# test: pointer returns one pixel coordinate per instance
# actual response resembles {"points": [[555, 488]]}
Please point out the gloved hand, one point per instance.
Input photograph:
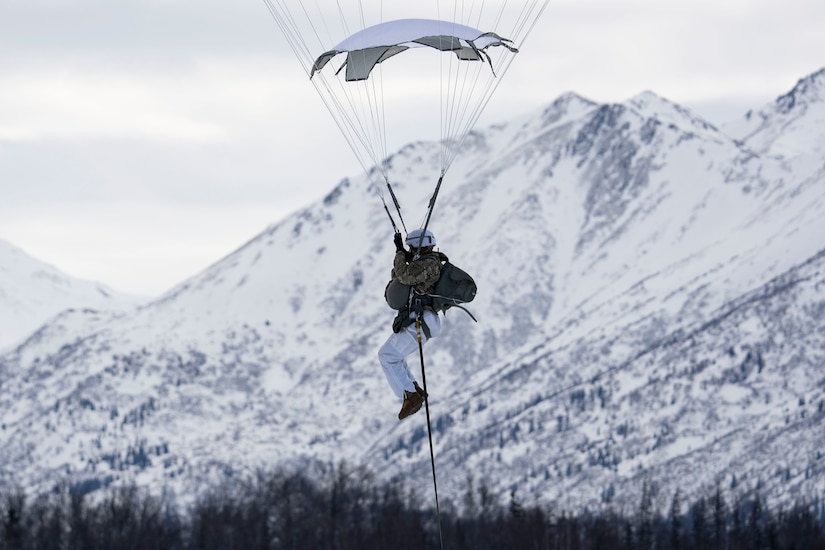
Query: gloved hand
{"points": [[399, 242]]}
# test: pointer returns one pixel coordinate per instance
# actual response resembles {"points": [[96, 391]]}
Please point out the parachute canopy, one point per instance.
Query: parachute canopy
{"points": [[454, 54], [375, 44]]}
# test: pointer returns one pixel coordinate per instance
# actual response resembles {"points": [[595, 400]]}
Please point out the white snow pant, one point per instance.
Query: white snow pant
{"points": [[393, 354]]}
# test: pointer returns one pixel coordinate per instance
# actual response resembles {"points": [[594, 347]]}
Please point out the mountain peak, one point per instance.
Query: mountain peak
{"points": [[808, 89], [790, 125], [573, 99], [567, 105], [652, 105], [32, 292]]}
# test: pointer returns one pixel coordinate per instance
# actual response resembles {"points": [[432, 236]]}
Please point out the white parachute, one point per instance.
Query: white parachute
{"points": [[465, 49], [373, 45]]}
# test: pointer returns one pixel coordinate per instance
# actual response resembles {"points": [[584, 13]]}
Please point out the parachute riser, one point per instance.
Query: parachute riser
{"points": [[397, 207], [389, 215], [430, 207]]}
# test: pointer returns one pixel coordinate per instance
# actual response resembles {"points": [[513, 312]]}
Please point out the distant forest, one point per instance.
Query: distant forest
{"points": [[347, 509]]}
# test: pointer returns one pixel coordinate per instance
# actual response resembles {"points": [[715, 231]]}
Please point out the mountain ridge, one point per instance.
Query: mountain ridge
{"points": [[772, 129], [600, 237]]}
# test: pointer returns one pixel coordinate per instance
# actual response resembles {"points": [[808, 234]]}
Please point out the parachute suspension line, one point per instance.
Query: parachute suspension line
{"points": [[469, 91], [501, 14], [289, 26], [450, 94], [372, 130], [429, 427], [344, 122], [361, 14], [358, 110], [441, 99], [286, 21], [382, 121], [460, 119], [460, 90], [309, 19], [353, 121], [465, 119], [530, 14], [469, 85], [477, 22], [463, 91], [375, 102], [524, 17], [354, 100], [366, 101], [343, 20], [446, 106], [380, 117], [324, 21]]}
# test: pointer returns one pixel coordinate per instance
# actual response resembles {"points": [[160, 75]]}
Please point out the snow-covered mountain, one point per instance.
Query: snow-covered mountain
{"points": [[32, 292], [650, 301], [789, 127]]}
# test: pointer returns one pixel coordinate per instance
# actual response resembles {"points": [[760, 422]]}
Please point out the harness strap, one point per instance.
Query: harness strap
{"points": [[404, 319]]}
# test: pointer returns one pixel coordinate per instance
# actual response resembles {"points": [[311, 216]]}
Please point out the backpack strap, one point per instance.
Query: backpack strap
{"points": [[404, 319]]}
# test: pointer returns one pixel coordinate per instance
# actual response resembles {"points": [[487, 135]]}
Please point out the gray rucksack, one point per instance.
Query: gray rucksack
{"points": [[453, 289]]}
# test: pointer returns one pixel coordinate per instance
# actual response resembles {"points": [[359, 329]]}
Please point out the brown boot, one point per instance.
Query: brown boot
{"points": [[420, 390], [412, 404]]}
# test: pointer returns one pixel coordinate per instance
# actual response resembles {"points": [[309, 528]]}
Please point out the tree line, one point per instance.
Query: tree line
{"points": [[344, 508]]}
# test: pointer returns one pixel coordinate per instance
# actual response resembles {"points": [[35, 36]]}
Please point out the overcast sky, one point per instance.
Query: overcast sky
{"points": [[142, 140]]}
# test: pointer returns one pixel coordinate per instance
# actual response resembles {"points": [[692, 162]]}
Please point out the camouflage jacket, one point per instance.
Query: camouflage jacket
{"points": [[422, 273]]}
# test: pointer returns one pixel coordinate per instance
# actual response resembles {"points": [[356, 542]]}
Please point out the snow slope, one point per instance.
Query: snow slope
{"points": [[31, 292]]}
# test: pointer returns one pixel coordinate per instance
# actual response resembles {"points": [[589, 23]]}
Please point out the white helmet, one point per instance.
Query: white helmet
{"points": [[414, 239]]}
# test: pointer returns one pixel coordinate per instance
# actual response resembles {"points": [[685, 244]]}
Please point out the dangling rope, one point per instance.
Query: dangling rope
{"points": [[429, 425]]}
